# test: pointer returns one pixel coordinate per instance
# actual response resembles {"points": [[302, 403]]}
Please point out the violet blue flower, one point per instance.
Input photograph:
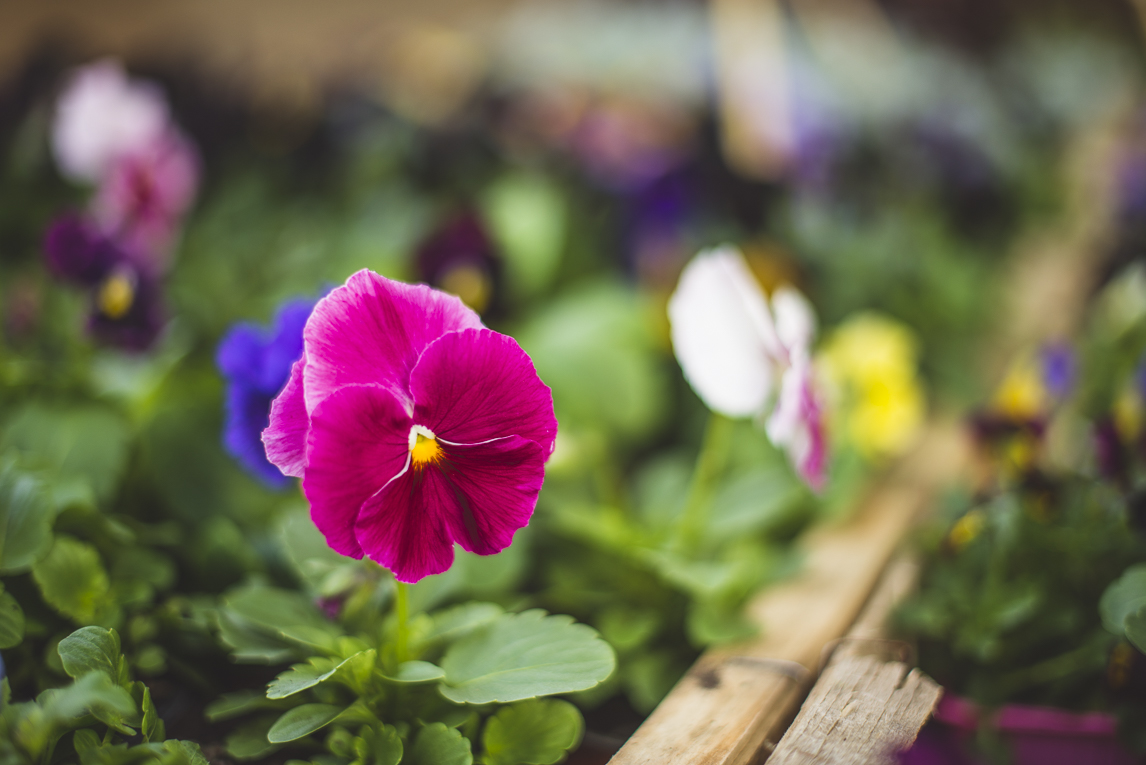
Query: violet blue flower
{"points": [[101, 114], [256, 362], [741, 353], [412, 427], [1059, 369]]}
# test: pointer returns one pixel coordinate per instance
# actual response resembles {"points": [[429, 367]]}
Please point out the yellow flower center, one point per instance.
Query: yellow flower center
{"points": [[424, 447], [116, 295]]}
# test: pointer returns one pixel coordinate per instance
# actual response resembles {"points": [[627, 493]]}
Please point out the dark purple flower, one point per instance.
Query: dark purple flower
{"points": [[126, 309], [77, 252], [1058, 369], [256, 361], [1109, 452], [460, 258], [657, 229]]}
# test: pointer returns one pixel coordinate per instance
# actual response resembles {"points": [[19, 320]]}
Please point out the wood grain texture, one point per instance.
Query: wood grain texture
{"points": [[860, 711], [863, 707], [737, 698]]}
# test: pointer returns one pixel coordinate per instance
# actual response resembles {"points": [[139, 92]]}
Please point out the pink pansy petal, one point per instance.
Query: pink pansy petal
{"points": [[285, 436], [403, 527], [358, 441], [477, 385], [496, 486], [372, 331], [478, 495], [796, 424]]}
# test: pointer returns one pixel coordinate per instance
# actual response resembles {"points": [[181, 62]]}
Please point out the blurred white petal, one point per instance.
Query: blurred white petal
{"points": [[102, 114], [722, 333], [795, 320]]}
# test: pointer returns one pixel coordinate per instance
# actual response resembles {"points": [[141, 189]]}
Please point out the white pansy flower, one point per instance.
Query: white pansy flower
{"points": [[102, 114]]}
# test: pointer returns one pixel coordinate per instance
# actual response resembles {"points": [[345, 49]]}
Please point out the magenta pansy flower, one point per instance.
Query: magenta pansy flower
{"points": [[412, 426]]}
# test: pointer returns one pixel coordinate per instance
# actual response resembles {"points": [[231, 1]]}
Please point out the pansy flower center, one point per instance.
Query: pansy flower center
{"points": [[117, 294], [424, 447]]}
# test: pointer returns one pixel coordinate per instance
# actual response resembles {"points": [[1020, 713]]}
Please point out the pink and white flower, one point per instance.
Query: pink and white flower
{"points": [[146, 190], [748, 357], [412, 427], [101, 115]]}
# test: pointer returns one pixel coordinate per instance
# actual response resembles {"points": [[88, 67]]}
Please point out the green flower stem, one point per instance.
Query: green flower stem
{"points": [[1086, 659], [710, 463], [402, 606]]}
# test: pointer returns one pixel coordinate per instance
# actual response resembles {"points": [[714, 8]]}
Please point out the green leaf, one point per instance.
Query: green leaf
{"points": [[436, 744], [94, 694], [526, 214], [80, 443], [627, 628], [453, 623], [597, 349], [303, 676], [91, 649], [1136, 629], [26, 516], [302, 721], [713, 622], [277, 611], [250, 644], [11, 620], [72, 579], [1124, 597], [152, 728], [236, 704], [249, 741], [519, 656], [533, 732], [417, 672], [379, 746]]}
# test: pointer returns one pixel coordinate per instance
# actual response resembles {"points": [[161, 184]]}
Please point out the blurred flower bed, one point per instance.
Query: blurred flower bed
{"points": [[163, 578]]}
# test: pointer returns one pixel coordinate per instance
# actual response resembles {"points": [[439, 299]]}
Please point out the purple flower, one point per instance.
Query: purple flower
{"points": [[460, 258], [1058, 369], [256, 361], [412, 427], [77, 252], [126, 308]]}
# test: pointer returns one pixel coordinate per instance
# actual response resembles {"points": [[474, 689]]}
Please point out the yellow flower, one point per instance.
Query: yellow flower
{"points": [[1128, 414], [878, 402], [966, 529], [1022, 395]]}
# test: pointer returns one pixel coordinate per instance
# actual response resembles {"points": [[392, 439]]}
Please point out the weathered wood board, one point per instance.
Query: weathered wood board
{"points": [[738, 697], [864, 707]]}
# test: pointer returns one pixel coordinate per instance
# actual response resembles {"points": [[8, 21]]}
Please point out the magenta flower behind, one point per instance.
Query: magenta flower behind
{"points": [[412, 427]]}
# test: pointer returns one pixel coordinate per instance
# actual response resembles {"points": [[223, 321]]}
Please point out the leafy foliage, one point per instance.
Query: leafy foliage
{"points": [[101, 706]]}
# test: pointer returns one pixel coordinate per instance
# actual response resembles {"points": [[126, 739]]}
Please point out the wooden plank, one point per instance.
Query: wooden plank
{"points": [[863, 707], [860, 712], [736, 698]]}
